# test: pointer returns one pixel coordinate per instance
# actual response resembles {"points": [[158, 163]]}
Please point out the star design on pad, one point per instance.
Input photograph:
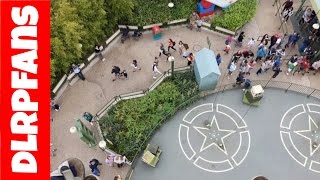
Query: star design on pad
{"points": [[312, 134], [213, 135]]}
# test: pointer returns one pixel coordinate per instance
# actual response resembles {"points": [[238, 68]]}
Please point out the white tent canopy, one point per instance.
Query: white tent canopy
{"points": [[222, 3]]}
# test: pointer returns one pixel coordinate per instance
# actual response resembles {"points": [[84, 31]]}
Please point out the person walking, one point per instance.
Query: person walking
{"points": [[262, 68], [185, 50], [290, 39], [116, 72], [287, 14], [243, 66], [155, 69], [273, 40], [171, 45], [190, 59], [251, 43], [305, 65], [88, 116], [316, 66], [280, 53], [269, 64], [180, 44], [135, 65], [97, 51], [276, 70], [231, 68], [305, 44], [240, 39], [240, 79], [264, 38], [287, 5], [192, 19], [218, 59], [54, 105], [306, 17], [110, 159], [295, 40], [124, 75], [261, 53], [93, 164], [76, 69], [162, 50], [250, 66], [227, 49], [199, 24], [228, 40], [291, 67]]}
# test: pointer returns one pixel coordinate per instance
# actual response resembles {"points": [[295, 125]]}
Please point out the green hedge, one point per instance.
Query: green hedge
{"points": [[130, 122], [237, 15], [157, 11]]}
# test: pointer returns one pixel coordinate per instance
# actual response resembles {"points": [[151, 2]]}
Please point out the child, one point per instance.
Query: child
{"points": [[227, 48], [180, 47], [251, 43], [135, 65], [171, 45], [190, 59], [124, 74], [228, 40], [218, 59], [199, 24]]}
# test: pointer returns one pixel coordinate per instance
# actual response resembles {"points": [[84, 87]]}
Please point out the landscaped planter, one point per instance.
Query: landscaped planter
{"points": [[237, 15]]}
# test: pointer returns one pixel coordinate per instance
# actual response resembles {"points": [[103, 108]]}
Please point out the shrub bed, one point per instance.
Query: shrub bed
{"points": [[237, 15], [130, 122], [157, 11]]}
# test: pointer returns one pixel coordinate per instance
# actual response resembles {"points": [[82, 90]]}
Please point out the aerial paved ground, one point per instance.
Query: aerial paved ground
{"points": [[91, 95]]}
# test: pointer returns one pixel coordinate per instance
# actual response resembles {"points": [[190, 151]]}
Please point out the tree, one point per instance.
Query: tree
{"points": [[66, 34], [77, 25]]}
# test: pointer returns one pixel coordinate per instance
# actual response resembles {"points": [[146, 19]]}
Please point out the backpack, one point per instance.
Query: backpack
{"points": [[173, 43]]}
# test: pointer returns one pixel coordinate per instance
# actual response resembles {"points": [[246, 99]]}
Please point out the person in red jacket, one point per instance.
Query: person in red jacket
{"points": [[305, 65]]}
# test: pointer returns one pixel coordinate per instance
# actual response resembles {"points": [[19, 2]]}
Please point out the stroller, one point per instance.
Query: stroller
{"points": [[137, 35]]}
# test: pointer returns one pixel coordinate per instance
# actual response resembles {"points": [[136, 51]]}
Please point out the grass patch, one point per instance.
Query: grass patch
{"points": [[237, 15], [131, 122], [157, 11]]}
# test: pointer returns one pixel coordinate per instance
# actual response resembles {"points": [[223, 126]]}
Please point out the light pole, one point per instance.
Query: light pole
{"points": [[171, 59], [84, 133], [102, 144]]}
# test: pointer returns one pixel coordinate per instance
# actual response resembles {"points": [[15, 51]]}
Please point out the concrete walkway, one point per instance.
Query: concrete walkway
{"points": [[91, 95]]}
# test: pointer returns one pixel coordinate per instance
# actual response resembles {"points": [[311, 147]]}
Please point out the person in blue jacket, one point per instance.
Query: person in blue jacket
{"points": [[261, 53]]}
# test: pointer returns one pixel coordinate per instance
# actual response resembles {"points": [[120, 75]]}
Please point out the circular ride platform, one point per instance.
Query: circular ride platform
{"points": [[219, 137]]}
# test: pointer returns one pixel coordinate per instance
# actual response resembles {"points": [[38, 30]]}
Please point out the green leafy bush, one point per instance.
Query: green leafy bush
{"points": [[130, 122], [237, 15], [157, 11]]}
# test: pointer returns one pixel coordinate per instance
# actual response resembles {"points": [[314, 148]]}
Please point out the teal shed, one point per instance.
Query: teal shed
{"points": [[206, 69]]}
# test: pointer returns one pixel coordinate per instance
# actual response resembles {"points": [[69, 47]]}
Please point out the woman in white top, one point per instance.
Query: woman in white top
{"points": [[231, 68], [316, 66], [155, 70]]}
